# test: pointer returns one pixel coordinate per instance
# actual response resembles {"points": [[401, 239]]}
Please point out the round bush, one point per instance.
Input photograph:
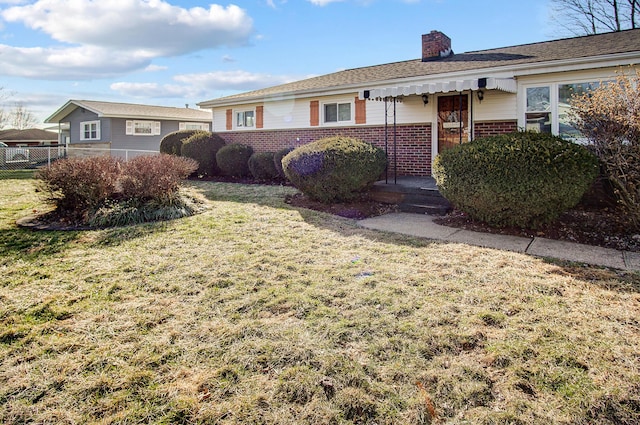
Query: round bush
{"points": [[277, 160], [262, 167], [520, 179], [233, 160], [334, 169], [203, 146], [172, 142]]}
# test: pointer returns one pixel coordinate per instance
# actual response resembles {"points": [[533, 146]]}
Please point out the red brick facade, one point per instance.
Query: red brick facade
{"points": [[413, 146], [491, 128]]}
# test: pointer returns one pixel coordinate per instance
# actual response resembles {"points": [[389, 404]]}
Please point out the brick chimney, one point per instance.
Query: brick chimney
{"points": [[435, 45]]}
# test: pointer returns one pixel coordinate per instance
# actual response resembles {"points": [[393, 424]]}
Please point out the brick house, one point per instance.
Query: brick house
{"points": [[418, 107]]}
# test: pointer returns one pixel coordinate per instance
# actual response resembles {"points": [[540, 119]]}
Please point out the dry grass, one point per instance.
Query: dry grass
{"points": [[258, 313]]}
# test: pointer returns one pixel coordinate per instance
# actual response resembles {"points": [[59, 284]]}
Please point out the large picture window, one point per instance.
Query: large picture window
{"points": [[337, 112], [547, 107], [90, 130]]}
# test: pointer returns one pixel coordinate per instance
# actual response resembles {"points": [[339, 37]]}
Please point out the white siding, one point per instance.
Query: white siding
{"points": [[496, 106]]}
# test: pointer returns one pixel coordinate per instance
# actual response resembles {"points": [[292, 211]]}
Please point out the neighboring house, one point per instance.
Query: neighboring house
{"points": [[108, 125], [418, 107], [29, 137]]}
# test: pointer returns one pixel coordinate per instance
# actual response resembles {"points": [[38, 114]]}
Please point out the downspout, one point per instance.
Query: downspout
{"points": [[386, 141]]}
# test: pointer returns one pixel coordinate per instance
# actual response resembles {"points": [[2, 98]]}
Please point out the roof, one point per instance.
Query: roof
{"points": [[576, 49], [28, 134], [131, 111]]}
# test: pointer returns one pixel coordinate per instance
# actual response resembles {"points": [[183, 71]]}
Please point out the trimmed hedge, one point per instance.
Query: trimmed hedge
{"points": [[520, 179], [262, 167], [233, 160], [172, 143], [203, 146], [334, 169], [277, 160]]}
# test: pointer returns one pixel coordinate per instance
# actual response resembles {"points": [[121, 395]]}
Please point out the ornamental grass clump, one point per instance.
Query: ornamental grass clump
{"points": [[106, 191], [202, 146], [521, 179], [334, 169]]}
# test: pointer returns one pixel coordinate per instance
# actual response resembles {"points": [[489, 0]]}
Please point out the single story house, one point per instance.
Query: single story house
{"points": [[417, 108], [120, 126], [28, 137]]}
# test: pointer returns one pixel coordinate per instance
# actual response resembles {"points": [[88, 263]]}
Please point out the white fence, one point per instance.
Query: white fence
{"points": [[17, 158]]}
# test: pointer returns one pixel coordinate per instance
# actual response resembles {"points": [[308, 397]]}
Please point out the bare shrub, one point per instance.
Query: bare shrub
{"points": [[155, 177], [78, 185], [609, 117]]}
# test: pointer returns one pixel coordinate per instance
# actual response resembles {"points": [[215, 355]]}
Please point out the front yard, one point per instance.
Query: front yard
{"points": [[256, 312]]}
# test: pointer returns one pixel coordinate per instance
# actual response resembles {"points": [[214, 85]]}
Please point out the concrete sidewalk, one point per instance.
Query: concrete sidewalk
{"points": [[422, 225]]}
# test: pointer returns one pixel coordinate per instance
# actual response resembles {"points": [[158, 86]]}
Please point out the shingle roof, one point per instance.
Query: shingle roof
{"points": [[548, 51], [28, 134], [131, 110]]}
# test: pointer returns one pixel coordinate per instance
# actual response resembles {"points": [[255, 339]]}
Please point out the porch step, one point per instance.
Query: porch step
{"points": [[411, 194]]}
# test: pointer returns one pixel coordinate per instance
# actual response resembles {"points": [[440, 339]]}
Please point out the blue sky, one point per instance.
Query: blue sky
{"points": [[177, 52]]}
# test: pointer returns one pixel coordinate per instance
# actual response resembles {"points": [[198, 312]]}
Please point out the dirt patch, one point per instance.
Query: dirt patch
{"points": [[590, 226], [358, 209]]}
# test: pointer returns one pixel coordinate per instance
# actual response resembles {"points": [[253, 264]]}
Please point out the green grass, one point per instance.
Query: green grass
{"points": [[254, 312]]}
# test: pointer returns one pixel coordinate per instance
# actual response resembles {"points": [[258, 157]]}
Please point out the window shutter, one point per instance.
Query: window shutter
{"points": [[259, 116], [157, 128], [98, 130], [361, 111], [229, 119], [314, 117], [129, 128], [182, 126]]}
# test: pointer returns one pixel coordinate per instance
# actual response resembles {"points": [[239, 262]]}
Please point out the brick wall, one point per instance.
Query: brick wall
{"points": [[492, 128], [413, 146]]}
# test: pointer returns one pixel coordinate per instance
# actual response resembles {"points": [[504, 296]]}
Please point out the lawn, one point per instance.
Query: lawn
{"points": [[256, 312]]}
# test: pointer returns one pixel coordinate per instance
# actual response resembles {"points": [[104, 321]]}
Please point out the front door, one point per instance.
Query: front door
{"points": [[453, 120]]}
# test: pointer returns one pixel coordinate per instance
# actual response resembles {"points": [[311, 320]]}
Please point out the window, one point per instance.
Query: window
{"points": [[194, 126], [90, 130], [337, 112], [245, 119], [143, 128], [538, 113], [547, 107]]}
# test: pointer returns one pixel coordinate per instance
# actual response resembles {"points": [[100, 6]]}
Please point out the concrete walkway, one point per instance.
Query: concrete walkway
{"points": [[422, 225]]}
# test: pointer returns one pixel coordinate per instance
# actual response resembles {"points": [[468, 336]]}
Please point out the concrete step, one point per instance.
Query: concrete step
{"points": [[424, 209]]}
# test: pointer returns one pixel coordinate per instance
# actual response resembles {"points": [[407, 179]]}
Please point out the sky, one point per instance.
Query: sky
{"points": [[179, 52]]}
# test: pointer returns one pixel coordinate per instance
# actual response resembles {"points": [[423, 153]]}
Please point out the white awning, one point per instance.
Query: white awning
{"points": [[504, 84]]}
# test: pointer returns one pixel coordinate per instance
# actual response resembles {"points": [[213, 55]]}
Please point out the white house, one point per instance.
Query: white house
{"points": [[416, 108]]}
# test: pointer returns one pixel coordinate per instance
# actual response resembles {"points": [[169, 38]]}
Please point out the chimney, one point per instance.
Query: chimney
{"points": [[435, 45]]}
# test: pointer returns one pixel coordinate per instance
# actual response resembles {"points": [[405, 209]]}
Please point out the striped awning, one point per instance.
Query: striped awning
{"points": [[504, 84]]}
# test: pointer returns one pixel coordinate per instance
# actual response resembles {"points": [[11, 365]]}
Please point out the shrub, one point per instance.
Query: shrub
{"points": [[78, 185], [233, 160], [105, 191], [203, 146], [277, 161], [262, 167], [520, 179], [334, 168], [157, 177], [609, 117], [172, 143]]}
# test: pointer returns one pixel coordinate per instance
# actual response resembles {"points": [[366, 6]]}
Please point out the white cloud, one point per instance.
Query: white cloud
{"points": [[84, 62], [155, 90], [154, 26], [100, 39], [233, 80], [322, 2], [228, 58], [154, 68]]}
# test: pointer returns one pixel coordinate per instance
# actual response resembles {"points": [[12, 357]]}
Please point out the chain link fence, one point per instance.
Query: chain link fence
{"points": [[23, 158]]}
